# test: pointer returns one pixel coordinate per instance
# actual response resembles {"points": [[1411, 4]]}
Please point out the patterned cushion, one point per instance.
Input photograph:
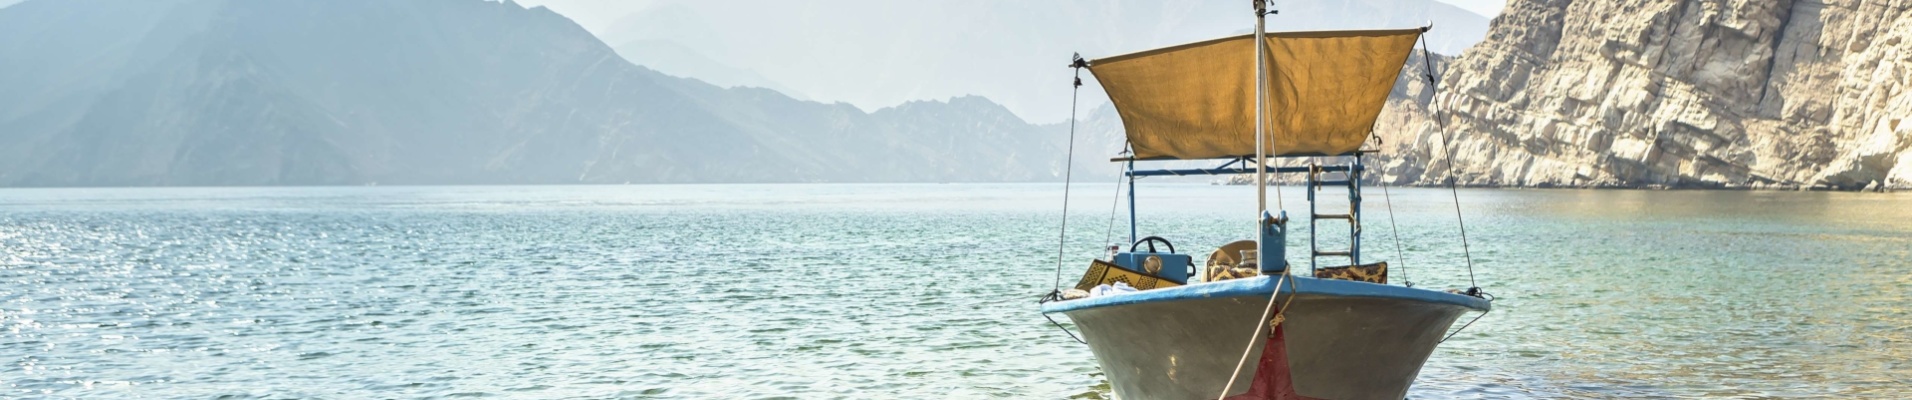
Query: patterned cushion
{"points": [[1371, 273], [1221, 263]]}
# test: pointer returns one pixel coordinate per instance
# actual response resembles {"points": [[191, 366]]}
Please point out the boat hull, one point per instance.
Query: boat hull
{"points": [[1340, 339]]}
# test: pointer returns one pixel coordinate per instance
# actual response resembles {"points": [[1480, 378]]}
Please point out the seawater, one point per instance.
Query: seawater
{"points": [[896, 291]]}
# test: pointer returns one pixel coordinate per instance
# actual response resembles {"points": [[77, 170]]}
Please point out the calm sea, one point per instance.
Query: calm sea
{"points": [[893, 291]]}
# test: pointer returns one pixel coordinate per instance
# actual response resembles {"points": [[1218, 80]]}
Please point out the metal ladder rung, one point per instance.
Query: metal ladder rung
{"points": [[1349, 179]]}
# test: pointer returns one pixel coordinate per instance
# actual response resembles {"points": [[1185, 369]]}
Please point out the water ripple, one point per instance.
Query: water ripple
{"points": [[891, 291]]}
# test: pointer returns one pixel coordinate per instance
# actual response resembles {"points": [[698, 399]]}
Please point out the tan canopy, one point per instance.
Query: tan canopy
{"points": [[1196, 101]]}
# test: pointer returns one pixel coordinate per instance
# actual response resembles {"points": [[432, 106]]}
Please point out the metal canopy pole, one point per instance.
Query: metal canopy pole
{"points": [[1261, 156], [1131, 202], [1354, 211]]}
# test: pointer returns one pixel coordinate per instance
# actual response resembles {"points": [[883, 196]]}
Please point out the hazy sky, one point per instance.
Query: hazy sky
{"points": [[875, 54], [1489, 8], [598, 14], [868, 55]]}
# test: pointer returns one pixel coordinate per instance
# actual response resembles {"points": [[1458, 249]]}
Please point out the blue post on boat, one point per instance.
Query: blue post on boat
{"points": [[1274, 243]]}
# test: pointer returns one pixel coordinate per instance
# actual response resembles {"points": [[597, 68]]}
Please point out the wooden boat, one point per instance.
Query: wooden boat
{"points": [[1283, 332]]}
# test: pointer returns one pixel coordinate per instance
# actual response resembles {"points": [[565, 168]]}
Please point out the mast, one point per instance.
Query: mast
{"points": [[1261, 157]]}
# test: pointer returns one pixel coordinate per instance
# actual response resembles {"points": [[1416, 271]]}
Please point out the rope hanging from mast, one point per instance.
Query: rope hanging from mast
{"points": [[1393, 228], [1115, 201]]}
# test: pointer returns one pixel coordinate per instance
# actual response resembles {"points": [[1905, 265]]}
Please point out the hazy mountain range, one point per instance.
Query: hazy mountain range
{"points": [[878, 53], [1700, 93], [270, 92], [283, 92]]}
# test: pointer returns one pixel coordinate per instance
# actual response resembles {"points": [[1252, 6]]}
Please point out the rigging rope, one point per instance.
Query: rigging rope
{"points": [[1490, 299], [1447, 142], [1052, 321], [1068, 171], [1115, 203], [1274, 178], [1392, 227]]}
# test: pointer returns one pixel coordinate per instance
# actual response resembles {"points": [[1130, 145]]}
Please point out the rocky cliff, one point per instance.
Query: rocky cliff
{"points": [[1680, 93]]}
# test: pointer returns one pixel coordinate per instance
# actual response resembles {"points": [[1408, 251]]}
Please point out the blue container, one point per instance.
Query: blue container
{"points": [[1175, 267]]}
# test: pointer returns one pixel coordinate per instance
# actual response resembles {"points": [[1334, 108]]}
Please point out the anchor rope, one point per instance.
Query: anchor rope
{"points": [[1266, 313]]}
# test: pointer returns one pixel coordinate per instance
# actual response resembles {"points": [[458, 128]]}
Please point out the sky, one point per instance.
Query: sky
{"points": [[1489, 8], [599, 14], [596, 14], [874, 54], [878, 54]]}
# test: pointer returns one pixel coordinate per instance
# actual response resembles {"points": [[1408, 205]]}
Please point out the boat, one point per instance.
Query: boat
{"points": [[1249, 324]]}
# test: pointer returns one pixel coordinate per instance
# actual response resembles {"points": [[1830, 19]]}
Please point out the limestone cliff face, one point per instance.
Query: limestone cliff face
{"points": [[1696, 93]]}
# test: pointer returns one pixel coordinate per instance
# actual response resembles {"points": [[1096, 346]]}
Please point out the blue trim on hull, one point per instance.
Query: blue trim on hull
{"points": [[1261, 286]]}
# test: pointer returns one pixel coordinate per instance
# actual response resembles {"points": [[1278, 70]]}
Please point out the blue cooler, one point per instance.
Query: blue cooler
{"points": [[1175, 267]]}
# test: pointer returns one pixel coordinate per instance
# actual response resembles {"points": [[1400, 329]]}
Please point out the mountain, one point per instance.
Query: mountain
{"points": [[281, 92], [676, 60], [878, 53], [1683, 93]]}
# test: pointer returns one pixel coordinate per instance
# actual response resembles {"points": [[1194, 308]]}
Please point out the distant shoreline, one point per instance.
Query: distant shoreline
{"points": [[1647, 187], [1662, 187]]}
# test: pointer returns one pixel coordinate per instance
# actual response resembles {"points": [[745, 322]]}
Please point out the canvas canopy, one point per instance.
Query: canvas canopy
{"points": [[1196, 101]]}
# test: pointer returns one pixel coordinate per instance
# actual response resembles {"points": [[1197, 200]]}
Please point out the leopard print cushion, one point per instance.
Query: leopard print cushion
{"points": [[1217, 273], [1371, 273], [1221, 263]]}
